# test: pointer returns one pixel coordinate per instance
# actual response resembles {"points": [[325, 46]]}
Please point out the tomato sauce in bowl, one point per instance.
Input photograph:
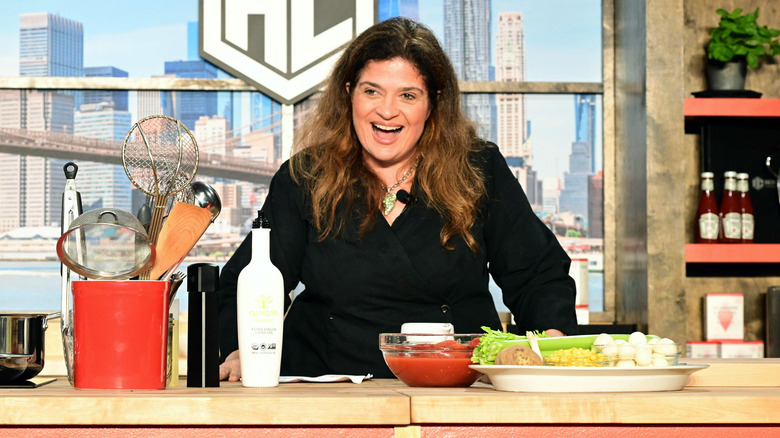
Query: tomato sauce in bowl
{"points": [[419, 363]]}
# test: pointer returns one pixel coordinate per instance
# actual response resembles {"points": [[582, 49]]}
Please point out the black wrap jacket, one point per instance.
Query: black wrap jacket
{"points": [[357, 288]]}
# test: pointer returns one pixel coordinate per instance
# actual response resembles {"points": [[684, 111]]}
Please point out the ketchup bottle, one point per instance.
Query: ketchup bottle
{"points": [[707, 219], [745, 208], [730, 215]]}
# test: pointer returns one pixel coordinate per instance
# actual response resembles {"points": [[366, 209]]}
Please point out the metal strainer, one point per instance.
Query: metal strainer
{"points": [[106, 244], [160, 157]]}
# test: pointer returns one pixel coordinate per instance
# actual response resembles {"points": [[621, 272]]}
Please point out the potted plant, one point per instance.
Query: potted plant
{"points": [[738, 43]]}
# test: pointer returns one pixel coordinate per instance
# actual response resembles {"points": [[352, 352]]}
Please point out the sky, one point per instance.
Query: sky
{"points": [[562, 41]]}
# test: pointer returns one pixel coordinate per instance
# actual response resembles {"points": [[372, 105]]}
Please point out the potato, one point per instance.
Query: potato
{"points": [[518, 355]]}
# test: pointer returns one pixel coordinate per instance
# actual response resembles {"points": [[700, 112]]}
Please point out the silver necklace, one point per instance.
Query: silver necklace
{"points": [[388, 201]]}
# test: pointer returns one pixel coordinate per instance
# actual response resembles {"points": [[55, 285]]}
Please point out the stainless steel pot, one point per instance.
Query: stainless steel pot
{"points": [[24, 334], [12, 366]]}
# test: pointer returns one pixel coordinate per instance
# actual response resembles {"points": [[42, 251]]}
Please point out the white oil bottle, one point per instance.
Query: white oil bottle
{"points": [[260, 304]]}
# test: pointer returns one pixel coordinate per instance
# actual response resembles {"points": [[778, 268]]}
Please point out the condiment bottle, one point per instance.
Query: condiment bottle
{"points": [[707, 219], [745, 208], [731, 217], [260, 305]]}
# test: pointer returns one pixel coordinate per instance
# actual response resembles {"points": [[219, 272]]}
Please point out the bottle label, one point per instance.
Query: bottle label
{"points": [[707, 184], [264, 341], [747, 226], [742, 185], [708, 226], [732, 225]]}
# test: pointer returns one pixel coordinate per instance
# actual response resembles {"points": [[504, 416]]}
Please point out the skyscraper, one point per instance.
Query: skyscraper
{"points": [[467, 43], [103, 184], [211, 135], [117, 97], [32, 186], [157, 103], [585, 124], [194, 103], [228, 102], [49, 45], [510, 67], [574, 196], [36, 110]]}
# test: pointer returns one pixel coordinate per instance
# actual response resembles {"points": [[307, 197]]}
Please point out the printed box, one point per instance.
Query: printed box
{"points": [[741, 350], [702, 349], [724, 315]]}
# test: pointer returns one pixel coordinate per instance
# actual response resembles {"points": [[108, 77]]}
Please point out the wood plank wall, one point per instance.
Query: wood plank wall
{"points": [[659, 61], [700, 17]]}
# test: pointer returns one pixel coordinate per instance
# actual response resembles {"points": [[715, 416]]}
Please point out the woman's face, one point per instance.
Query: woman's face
{"points": [[389, 108]]}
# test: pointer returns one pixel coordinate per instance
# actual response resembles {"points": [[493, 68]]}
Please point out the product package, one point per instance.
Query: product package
{"points": [[702, 349], [742, 350], [724, 315]]}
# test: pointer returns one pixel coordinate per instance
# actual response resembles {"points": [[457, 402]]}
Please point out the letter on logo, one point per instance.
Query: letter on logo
{"points": [[285, 48]]}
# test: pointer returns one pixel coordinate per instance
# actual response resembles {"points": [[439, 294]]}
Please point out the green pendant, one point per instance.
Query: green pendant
{"points": [[388, 202]]}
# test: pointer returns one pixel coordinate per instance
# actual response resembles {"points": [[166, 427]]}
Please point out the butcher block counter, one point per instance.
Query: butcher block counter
{"points": [[741, 398]]}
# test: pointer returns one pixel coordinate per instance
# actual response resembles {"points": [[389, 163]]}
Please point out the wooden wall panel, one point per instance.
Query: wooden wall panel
{"points": [[700, 17]]}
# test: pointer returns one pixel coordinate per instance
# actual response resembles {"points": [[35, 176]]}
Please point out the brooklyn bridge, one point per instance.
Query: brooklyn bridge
{"points": [[75, 148]]}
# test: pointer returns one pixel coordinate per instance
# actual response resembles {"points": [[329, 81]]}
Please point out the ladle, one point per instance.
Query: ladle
{"points": [[206, 197]]}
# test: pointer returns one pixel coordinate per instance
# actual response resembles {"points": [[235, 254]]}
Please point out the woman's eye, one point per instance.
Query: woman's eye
{"points": [[370, 91], [408, 96]]}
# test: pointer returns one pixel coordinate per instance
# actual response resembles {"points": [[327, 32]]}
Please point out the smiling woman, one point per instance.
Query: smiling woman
{"points": [[390, 117], [149, 39]]}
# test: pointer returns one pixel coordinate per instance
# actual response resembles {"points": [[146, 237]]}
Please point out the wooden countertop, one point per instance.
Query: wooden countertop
{"points": [[710, 398], [693, 405], [59, 403]]}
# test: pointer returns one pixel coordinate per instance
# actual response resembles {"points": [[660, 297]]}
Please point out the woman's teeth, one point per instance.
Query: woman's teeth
{"points": [[386, 128]]}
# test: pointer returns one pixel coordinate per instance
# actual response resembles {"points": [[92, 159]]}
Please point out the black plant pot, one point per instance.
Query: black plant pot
{"points": [[726, 75]]}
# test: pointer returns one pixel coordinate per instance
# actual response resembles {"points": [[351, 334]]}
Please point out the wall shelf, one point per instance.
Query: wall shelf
{"points": [[730, 107], [732, 259], [732, 253]]}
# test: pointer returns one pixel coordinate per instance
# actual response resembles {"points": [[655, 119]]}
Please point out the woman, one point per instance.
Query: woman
{"points": [[389, 127]]}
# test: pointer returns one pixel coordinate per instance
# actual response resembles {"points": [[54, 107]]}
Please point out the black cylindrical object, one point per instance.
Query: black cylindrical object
{"points": [[203, 331], [773, 322]]}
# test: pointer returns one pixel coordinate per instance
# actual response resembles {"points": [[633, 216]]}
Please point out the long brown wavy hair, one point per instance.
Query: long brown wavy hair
{"points": [[328, 157]]}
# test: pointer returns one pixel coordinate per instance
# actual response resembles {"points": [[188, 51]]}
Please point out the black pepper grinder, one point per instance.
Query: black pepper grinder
{"points": [[203, 331]]}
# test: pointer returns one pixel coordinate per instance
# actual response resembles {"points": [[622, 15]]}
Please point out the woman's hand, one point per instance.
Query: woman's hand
{"points": [[230, 370], [553, 333]]}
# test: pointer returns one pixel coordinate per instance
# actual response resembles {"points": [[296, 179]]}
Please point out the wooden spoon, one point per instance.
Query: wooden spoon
{"points": [[185, 225]]}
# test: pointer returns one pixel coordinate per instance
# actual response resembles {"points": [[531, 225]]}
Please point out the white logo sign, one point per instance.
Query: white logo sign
{"points": [[286, 48]]}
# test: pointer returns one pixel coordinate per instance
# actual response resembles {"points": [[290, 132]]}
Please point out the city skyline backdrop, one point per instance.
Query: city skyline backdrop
{"points": [[562, 43], [561, 151]]}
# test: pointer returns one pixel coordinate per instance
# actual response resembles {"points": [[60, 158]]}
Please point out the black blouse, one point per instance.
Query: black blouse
{"points": [[357, 288]]}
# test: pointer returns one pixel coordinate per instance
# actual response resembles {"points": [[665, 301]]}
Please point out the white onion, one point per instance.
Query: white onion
{"points": [[643, 357], [637, 338], [660, 362], [626, 351]]}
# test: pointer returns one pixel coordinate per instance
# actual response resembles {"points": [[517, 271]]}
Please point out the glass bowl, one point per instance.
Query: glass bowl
{"points": [[422, 359]]}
